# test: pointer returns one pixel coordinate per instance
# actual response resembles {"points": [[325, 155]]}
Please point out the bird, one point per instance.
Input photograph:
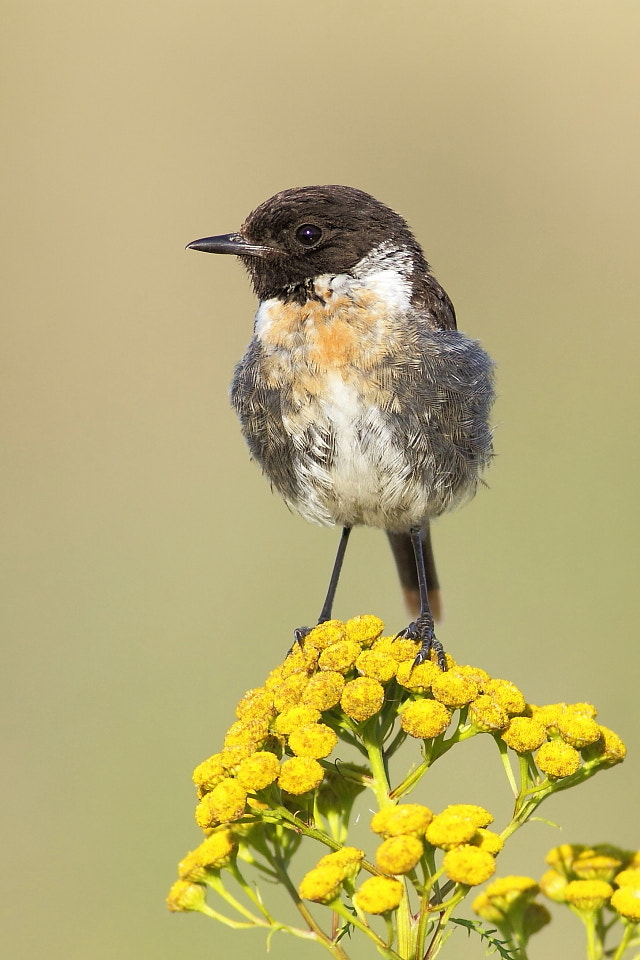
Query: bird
{"points": [[359, 398]]}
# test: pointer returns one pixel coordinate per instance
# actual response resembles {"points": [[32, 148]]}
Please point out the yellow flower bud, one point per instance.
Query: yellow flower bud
{"points": [[226, 802], [339, 656], [587, 895], [314, 740], [453, 689], [348, 859], [376, 664], [322, 884], [323, 690], [488, 840], [399, 854], [186, 896], [557, 759], [258, 771], [609, 749], [563, 857], [578, 730], [524, 734], [468, 865], [289, 691], [478, 815], [403, 819], [417, 678], [626, 902], [629, 877], [362, 698], [364, 629], [331, 631], [485, 908], [596, 867], [214, 853], [425, 719], [553, 885], [295, 717], [506, 694], [398, 648], [300, 774], [488, 715], [379, 895], [506, 891], [209, 772], [256, 704], [448, 830]]}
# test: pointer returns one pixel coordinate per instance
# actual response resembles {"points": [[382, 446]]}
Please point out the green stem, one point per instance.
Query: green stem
{"points": [[352, 918], [627, 936], [375, 753]]}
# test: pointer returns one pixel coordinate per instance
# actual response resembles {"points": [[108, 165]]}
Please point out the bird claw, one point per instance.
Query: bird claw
{"points": [[422, 629]]}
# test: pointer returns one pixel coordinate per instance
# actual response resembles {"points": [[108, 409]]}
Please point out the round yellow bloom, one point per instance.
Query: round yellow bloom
{"points": [[398, 648], [289, 692], [488, 715], [232, 756], [597, 867], [484, 907], [258, 771], [379, 895], [557, 759], [301, 659], [339, 656], [454, 689], [256, 704], [587, 895], [524, 734], [417, 678], [488, 840], [252, 732], [322, 884], [563, 856], [471, 811], [331, 631], [214, 853], [549, 714], [209, 772], [364, 629], [314, 740], [374, 663], [553, 885], [626, 902], [425, 719], [399, 854], [629, 877], [186, 896], [448, 830], [300, 774], [362, 698], [295, 717], [610, 749], [468, 865], [348, 859], [474, 673], [578, 730], [505, 891], [323, 690], [506, 694], [226, 802], [403, 819]]}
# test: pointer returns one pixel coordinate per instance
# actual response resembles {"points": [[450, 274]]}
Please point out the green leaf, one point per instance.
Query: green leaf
{"points": [[499, 946]]}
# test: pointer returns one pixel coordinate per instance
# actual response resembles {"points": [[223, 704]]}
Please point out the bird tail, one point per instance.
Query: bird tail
{"points": [[406, 564]]}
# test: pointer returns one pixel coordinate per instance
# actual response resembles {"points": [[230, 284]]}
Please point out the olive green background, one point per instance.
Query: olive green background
{"points": [[151, 576]]}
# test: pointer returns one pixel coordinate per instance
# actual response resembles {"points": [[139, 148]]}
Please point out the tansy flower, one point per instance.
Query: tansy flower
{"points": [[474, 673], [256, 703], [453, 689], [348, 859], [339, 656], [549, 714], [487, 715], [506, 694], [376, 664], [362, 698], [364, 629], [486, 909], [553, 885], [587, 895], [399, 854], [209, 772], [398, 648], [424, 719], [524, 734], [609, 749], [258, 771], [295, 717], [379, 895], [596, 868], [314, 740], [577, 730], [214, 853], [252, 732], [448, 830], [331, 631], [629, 877], [626, 902], [505, 891], [557, 759], [417, 678], [299, 775], [477, 815], [184, 895], [468, 865], [323, 690], [403, 819], [226, 802], [322, 884], [289, 692], [488, 840], [563, 856]]}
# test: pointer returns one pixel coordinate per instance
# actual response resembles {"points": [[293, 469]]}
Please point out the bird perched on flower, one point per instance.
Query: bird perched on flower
{"points": [[358, 396]]}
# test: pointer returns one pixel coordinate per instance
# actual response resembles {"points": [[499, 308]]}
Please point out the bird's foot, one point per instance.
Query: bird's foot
{"points": [[422, 629], [299, 635]]}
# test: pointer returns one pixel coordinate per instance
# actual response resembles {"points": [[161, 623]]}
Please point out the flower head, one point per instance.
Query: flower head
{"points": [[299, 775], [448, 830], [226, 802], [506, 694], [379, 895], [399, 854], [185, 895], [454, 689], [557, 759], [524, 734], [488, 715], [314, 740], [377, 664], [339, 656], [362, 698], [258, 771], [587, 895], [295, 717], [425, 719], [404, 819], [364, 629], [323, 690], [626, 903], [322, 884], [469, 865]]}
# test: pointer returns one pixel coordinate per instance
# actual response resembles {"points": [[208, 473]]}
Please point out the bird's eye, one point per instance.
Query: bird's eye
{"points": [[308, 235]]}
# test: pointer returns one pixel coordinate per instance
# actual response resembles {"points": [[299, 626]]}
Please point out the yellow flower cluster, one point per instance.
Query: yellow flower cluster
{"points": [[585, 877], [509, 903], [324, 882]]}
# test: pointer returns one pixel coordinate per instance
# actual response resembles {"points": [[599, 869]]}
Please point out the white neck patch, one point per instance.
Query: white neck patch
{"points": [[387, 271]]}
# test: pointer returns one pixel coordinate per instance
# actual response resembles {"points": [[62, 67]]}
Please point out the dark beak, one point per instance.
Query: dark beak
{"points": [[230, 243]]}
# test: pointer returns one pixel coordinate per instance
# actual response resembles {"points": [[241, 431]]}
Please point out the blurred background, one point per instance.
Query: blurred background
{"points": [[151, 576]]}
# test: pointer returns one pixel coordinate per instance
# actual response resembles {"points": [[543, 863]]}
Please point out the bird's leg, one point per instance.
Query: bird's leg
{"points": [[422, 628], [325, 614]]}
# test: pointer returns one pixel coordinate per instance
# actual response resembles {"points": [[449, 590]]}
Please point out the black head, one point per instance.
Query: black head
{"points": [[306, 232]]}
